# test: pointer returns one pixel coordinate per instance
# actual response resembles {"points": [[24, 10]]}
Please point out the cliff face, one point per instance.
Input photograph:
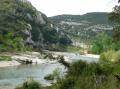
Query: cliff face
{"points": [[21, 23]]}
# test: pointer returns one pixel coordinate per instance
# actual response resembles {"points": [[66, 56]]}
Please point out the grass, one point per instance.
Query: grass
{"points": [[74, 49], [5, 58], [66, 48]]}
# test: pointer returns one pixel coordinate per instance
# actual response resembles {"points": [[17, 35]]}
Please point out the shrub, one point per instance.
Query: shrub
{"points": [[82, 75], [68, 83], [116, 56], [49, 77], [30, 84], [77, 68], [110, 56], [65, 40], [54, 75]]}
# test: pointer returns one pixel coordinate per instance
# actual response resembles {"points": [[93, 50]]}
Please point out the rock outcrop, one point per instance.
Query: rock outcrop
{"points": [[22, 22]]}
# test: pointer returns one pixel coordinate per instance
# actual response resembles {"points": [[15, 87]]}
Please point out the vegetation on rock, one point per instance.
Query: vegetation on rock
{"points": [[22, 25]]}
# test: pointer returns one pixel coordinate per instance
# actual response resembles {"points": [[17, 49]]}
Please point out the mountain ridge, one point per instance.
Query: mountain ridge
{"points": [[83, 26]]}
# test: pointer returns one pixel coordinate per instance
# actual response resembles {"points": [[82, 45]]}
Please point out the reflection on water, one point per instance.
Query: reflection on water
{"points": [[13, 76]]}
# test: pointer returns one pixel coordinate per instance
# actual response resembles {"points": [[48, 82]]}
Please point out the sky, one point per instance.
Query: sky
{"points": [[75, 7]]}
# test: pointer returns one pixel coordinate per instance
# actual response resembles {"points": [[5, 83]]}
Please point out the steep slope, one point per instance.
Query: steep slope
{"points": [[83, 27], [22, 25]]}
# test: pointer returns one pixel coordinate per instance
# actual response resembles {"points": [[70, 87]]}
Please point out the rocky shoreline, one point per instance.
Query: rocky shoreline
{"points": [[38, 58], [9, 63], [20, 58]]}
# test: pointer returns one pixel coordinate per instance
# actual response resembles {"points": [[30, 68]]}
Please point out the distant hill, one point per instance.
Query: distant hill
{"points": [[82, 27], [99, 17]]}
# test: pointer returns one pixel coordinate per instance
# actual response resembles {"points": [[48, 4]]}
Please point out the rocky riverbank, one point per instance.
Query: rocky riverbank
{"points": [[46, 57], [28, 57], [9, 63]]}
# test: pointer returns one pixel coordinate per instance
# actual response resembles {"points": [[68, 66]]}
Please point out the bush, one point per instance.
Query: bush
{"points": [[101, 43], [49, 77], [65, 40], [30, 84], [110, 56], [68, 83], [116, 56], [82, 75], [77, 68], [54, 75]]}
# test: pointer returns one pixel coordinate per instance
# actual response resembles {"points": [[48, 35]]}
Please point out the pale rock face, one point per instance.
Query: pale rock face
{"points": [[29, 17], [39, 18], [29, 41], [72, 23], [57, 29], [28, 33], [51, 25], [36, 23], [39, 43]]}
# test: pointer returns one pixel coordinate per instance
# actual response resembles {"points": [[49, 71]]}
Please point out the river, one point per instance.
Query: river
{"points": [[10, 77]]}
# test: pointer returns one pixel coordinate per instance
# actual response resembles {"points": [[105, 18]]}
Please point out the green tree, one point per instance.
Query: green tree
{"points": [[50, 35], [101, 43], [65, 40], [115, 17], [13, 22]]}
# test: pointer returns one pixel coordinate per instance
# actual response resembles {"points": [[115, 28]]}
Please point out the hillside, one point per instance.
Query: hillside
{"points": [[22, 26], [83, 28]]}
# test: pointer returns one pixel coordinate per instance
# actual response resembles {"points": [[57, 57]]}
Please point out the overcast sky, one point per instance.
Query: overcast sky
{"points": [[77, 7]]}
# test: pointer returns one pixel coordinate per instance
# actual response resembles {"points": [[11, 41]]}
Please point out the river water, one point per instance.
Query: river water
{"points": [[14, 76], [10, 77]]}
